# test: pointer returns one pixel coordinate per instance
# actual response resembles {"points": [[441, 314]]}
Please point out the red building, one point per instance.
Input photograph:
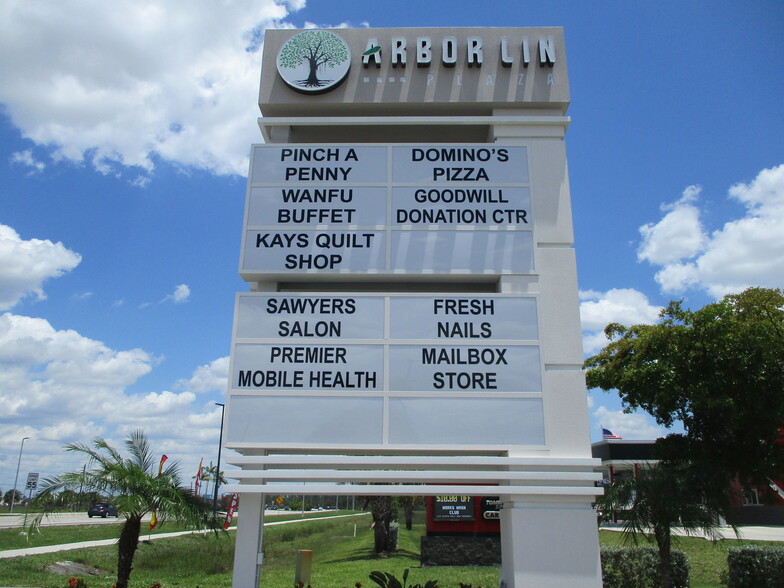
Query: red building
{"points": [[754, 505]]}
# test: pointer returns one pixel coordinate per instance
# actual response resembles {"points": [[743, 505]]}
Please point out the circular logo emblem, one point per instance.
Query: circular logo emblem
{"points": [[314, 61]]}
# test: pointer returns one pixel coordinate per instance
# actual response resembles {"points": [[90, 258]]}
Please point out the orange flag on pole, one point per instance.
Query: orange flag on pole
{"points": [[198, 478], [164, 457], [154, 517]]}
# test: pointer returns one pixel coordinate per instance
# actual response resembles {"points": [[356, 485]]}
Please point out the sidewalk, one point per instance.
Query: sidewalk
{"points": [[82, 544], [726, 532]]}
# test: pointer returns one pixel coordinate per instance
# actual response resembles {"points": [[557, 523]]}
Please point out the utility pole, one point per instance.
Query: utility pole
{"points": [[16, 478], [217, 469]]}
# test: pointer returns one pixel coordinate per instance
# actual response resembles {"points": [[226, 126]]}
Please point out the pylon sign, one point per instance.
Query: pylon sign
{"points": [[413, 316]]}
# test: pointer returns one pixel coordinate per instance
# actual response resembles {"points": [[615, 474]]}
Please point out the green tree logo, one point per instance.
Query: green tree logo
{"points": [[314, 61]]}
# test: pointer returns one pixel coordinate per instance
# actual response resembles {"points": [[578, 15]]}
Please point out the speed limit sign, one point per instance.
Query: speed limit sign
{"points": [[32, 481]]}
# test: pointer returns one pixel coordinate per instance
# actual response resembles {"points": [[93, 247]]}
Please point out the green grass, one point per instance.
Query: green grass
{"points": [[12, 539], [340, 559]]}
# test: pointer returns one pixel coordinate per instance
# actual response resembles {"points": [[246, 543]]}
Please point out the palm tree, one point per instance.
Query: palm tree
{"points": [[662, 496], [381, 509], [211, 474], [137, 488]]}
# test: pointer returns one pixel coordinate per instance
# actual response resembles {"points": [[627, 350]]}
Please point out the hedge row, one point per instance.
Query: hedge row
{"points": [[757, 567], [638, 567]]}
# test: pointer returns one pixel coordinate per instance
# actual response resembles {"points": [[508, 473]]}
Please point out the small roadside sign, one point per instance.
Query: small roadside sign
{"points": [[32, 481]]}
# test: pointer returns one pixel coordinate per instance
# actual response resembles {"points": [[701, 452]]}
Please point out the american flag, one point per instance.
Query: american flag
{"points": [[608, 434]]}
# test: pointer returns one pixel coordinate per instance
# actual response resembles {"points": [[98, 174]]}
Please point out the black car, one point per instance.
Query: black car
{"points": [[102, 509]]}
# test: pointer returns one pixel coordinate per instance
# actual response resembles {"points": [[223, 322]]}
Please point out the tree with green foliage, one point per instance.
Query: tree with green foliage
{"points": [[660, 497], [12, 495], [319, 49], [138, 486], [718, 370]]}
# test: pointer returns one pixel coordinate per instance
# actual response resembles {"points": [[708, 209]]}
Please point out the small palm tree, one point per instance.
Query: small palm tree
{"points": [[137, 488], [662, 496]]}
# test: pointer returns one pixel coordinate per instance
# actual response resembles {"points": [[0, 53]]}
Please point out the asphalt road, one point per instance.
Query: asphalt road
{"points": [[9, 521]]}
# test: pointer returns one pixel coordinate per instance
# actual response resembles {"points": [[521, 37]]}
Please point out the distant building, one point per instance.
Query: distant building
{"points": [[752, 506]]}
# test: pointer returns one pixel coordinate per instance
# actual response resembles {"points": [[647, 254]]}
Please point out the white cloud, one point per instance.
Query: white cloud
{"points": [[66, 387], [679, 234], [619, 305], [213, 377], [26, 159], [121, 83], [25, 265], [60, 373], [636, 425], [745, 252], [181, 294]]}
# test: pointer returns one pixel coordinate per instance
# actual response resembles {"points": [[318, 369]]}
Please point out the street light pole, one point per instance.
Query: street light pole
{"points": [[217, 468], [16, 478]]}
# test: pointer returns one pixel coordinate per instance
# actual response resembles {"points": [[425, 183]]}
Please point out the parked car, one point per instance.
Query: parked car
{"points": [[103, 510]]}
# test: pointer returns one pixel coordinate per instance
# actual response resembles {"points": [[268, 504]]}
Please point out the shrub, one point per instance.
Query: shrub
{"points": [[387, 580], [638, 567], [759, 566]]}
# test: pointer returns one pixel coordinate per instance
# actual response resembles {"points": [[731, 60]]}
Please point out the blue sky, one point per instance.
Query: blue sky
{"points": [[125, 129]]}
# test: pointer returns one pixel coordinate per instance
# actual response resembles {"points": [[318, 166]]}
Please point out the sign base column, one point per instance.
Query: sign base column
{"points": [[549, 543], [247, 552]]}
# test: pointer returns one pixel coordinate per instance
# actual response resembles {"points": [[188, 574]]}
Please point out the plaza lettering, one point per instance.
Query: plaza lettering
{"points": [[270, 379], [321, 240], [450, 48], [316, 216], [456, 216], [347, 380], [464, 356], [286, 240], [309, 379], [465, 380], [302, 223], [318, 154], [345, 195], [464, 306], [466, 216], [307, 354], [462, 154], [430, 216], [311, 305], [340, 240], [310, 261], [309, 174], [460, 174], [482, 195], [465, 330], [308, 329]]}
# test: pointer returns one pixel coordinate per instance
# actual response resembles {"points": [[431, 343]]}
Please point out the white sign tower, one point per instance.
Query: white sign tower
{"points": [[413, 314]]}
